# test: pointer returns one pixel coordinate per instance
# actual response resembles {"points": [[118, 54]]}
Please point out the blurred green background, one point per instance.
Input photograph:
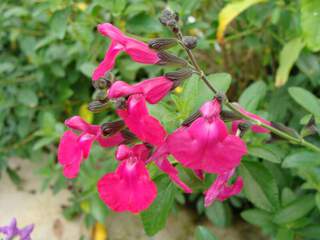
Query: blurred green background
{"points": [[48, 50]]}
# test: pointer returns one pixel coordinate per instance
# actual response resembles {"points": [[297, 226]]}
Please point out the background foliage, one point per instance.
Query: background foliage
{"points": [[48, 50]]}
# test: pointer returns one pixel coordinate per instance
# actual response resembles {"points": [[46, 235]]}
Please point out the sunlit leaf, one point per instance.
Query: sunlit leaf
{"points": [[230, 12], [288, 56]]}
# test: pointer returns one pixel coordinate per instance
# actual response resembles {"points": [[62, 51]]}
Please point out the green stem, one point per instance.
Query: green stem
{"points": [[276, 131]]}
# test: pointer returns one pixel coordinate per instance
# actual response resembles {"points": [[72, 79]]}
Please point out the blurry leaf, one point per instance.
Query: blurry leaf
{"points": [[318, 200], [288, 56], [98, 209], [302, 160], [87, 68], [99, 232], [13, 175], [42, 142], [219, 214], [309, 64], [203, 233], [257, 217], [118, 6], [285, 234], [85, 114], [155, 217], [28, 97], [230, 12], [259, 185], [297, 209], [59, 23], [143, 23], [264, 153], [306, 99], [310, 18], [312, 231], [287, 196], [251, 97]]}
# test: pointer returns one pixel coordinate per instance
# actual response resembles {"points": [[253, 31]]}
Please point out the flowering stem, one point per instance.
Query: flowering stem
{"points": [[290, 138]]}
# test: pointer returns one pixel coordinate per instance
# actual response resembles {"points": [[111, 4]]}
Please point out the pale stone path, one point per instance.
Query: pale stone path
{"points": [[44, 210]]}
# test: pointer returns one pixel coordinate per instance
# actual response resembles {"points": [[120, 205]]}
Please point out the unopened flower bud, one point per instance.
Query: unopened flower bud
{"points": [[283, 128], [128, 136], [121, 103], [189, 41], [242, 129], [191, 119], [162, 43], [170, 19], [110, 128], [181, 74], [98, 106], [101, 83], [100, 95], [169, 59], [229, 115]]}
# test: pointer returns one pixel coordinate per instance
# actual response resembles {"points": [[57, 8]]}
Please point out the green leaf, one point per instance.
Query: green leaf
{"points": [[98, 209], [118, 6], [221, 81], [264, 153], [87, 68], [28, 97], [251, 97], [303, 159], [155, 217], [312, 231], [219, 214], [259, 186], [306, 99], [310, 18], [257, 217], [285, 234], [288, 56], [297, 209], [203, 233], [59, 23], [317, 199]]}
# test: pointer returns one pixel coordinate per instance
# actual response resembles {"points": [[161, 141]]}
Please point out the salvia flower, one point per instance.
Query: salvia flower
{"points": [[137, 50], [130, 187], [254, 128], [205, 144], [220, 190], [11, 231], [138, 120], [73, 148], [153, 89], [160, 158]]}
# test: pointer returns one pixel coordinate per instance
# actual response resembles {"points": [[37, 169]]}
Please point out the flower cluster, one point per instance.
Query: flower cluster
{"points": [[12, 232], [204, 144]]}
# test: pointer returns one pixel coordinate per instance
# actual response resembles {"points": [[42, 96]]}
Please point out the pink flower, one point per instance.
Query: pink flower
{"points": [[221, 190], [160, 158], [205, 144], [73, 149], [153, 89], [137, 50], [254, 128], [140, 122], [130, 187]]}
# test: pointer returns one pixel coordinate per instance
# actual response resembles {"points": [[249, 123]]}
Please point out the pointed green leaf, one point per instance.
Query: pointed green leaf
{"points": [[203, 233]]}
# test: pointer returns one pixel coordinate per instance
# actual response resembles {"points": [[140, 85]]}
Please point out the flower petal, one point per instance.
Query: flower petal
{"points": [[128, 189], [220, 189], [144, 126], [70, 154], [160, 159], [153, 89], [77, 123], [111, 141], [108, 61]]}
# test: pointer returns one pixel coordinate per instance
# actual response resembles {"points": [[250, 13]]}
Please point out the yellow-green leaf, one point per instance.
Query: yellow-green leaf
{"points": [[230, 12], [310, 19], [85, 114], [288, 56]]}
